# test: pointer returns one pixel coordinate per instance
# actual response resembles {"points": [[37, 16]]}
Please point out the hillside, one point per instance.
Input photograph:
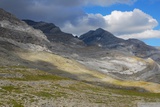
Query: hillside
{"points": [[36, 71]]}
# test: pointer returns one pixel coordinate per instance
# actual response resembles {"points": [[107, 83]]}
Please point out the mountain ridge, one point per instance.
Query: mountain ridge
{"points": [[53, 33], [107, 40], [101, 42]]}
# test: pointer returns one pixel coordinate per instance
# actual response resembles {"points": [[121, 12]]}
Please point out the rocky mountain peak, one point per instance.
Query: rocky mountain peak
{"points": [[99, 37], [100, 30]]}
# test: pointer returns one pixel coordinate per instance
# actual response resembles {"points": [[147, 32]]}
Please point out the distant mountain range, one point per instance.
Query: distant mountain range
{"points": [[99, 38]]}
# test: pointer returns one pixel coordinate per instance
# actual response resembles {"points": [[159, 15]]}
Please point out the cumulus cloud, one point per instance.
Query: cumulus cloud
{"points": [[118, 22], [129, 22], [143, 35]]}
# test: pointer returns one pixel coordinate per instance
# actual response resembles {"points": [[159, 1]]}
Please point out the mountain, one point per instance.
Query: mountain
{"points": [[38, 71], [53, 33], [23, 41], [106, 40], [100, 38]]}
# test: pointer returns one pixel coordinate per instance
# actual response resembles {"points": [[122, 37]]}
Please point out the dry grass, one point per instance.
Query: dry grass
{"points": [[83, 73]]}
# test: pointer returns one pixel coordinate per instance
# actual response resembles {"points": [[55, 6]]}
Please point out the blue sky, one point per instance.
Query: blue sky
{"points": [[150, 7], [124, 18]]}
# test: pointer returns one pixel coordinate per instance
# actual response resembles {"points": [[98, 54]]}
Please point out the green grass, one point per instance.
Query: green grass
{"points": [[60, 94], [44, 94], [135, 93], [38, 78], [99, 101], [100, 90], [1, 104], [28, 74], [50, 95], [11, 89], [42, 77], [73, 88], [18, 66], [12, 67], [16, 104]]}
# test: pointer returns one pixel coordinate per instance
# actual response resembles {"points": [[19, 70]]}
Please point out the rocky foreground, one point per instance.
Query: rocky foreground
{"points": [[25, 87]]}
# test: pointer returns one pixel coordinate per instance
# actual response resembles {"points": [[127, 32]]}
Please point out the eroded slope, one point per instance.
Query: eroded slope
{"points": [[75, 70]]}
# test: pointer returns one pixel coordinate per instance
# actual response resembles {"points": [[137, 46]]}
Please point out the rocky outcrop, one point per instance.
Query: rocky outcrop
{"points": [[19, 33], [124, 67]]}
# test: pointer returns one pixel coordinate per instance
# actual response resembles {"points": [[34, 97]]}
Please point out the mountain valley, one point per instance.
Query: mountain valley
{"points": [[42, 66]]}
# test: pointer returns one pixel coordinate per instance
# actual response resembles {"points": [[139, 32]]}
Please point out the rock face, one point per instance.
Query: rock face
{"points": [[15, 35], [53, 33], [19, 33]]}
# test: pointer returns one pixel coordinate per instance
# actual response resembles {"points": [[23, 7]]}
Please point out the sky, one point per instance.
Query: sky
{"points": [[126, 19]]}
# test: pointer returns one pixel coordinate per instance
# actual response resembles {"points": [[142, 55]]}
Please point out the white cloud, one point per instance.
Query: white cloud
{"points": [[128, 24], [143, 35]]}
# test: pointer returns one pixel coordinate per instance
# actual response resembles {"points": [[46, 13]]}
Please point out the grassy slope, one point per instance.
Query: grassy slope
{"points": [[78, 71], [30, 87]]}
